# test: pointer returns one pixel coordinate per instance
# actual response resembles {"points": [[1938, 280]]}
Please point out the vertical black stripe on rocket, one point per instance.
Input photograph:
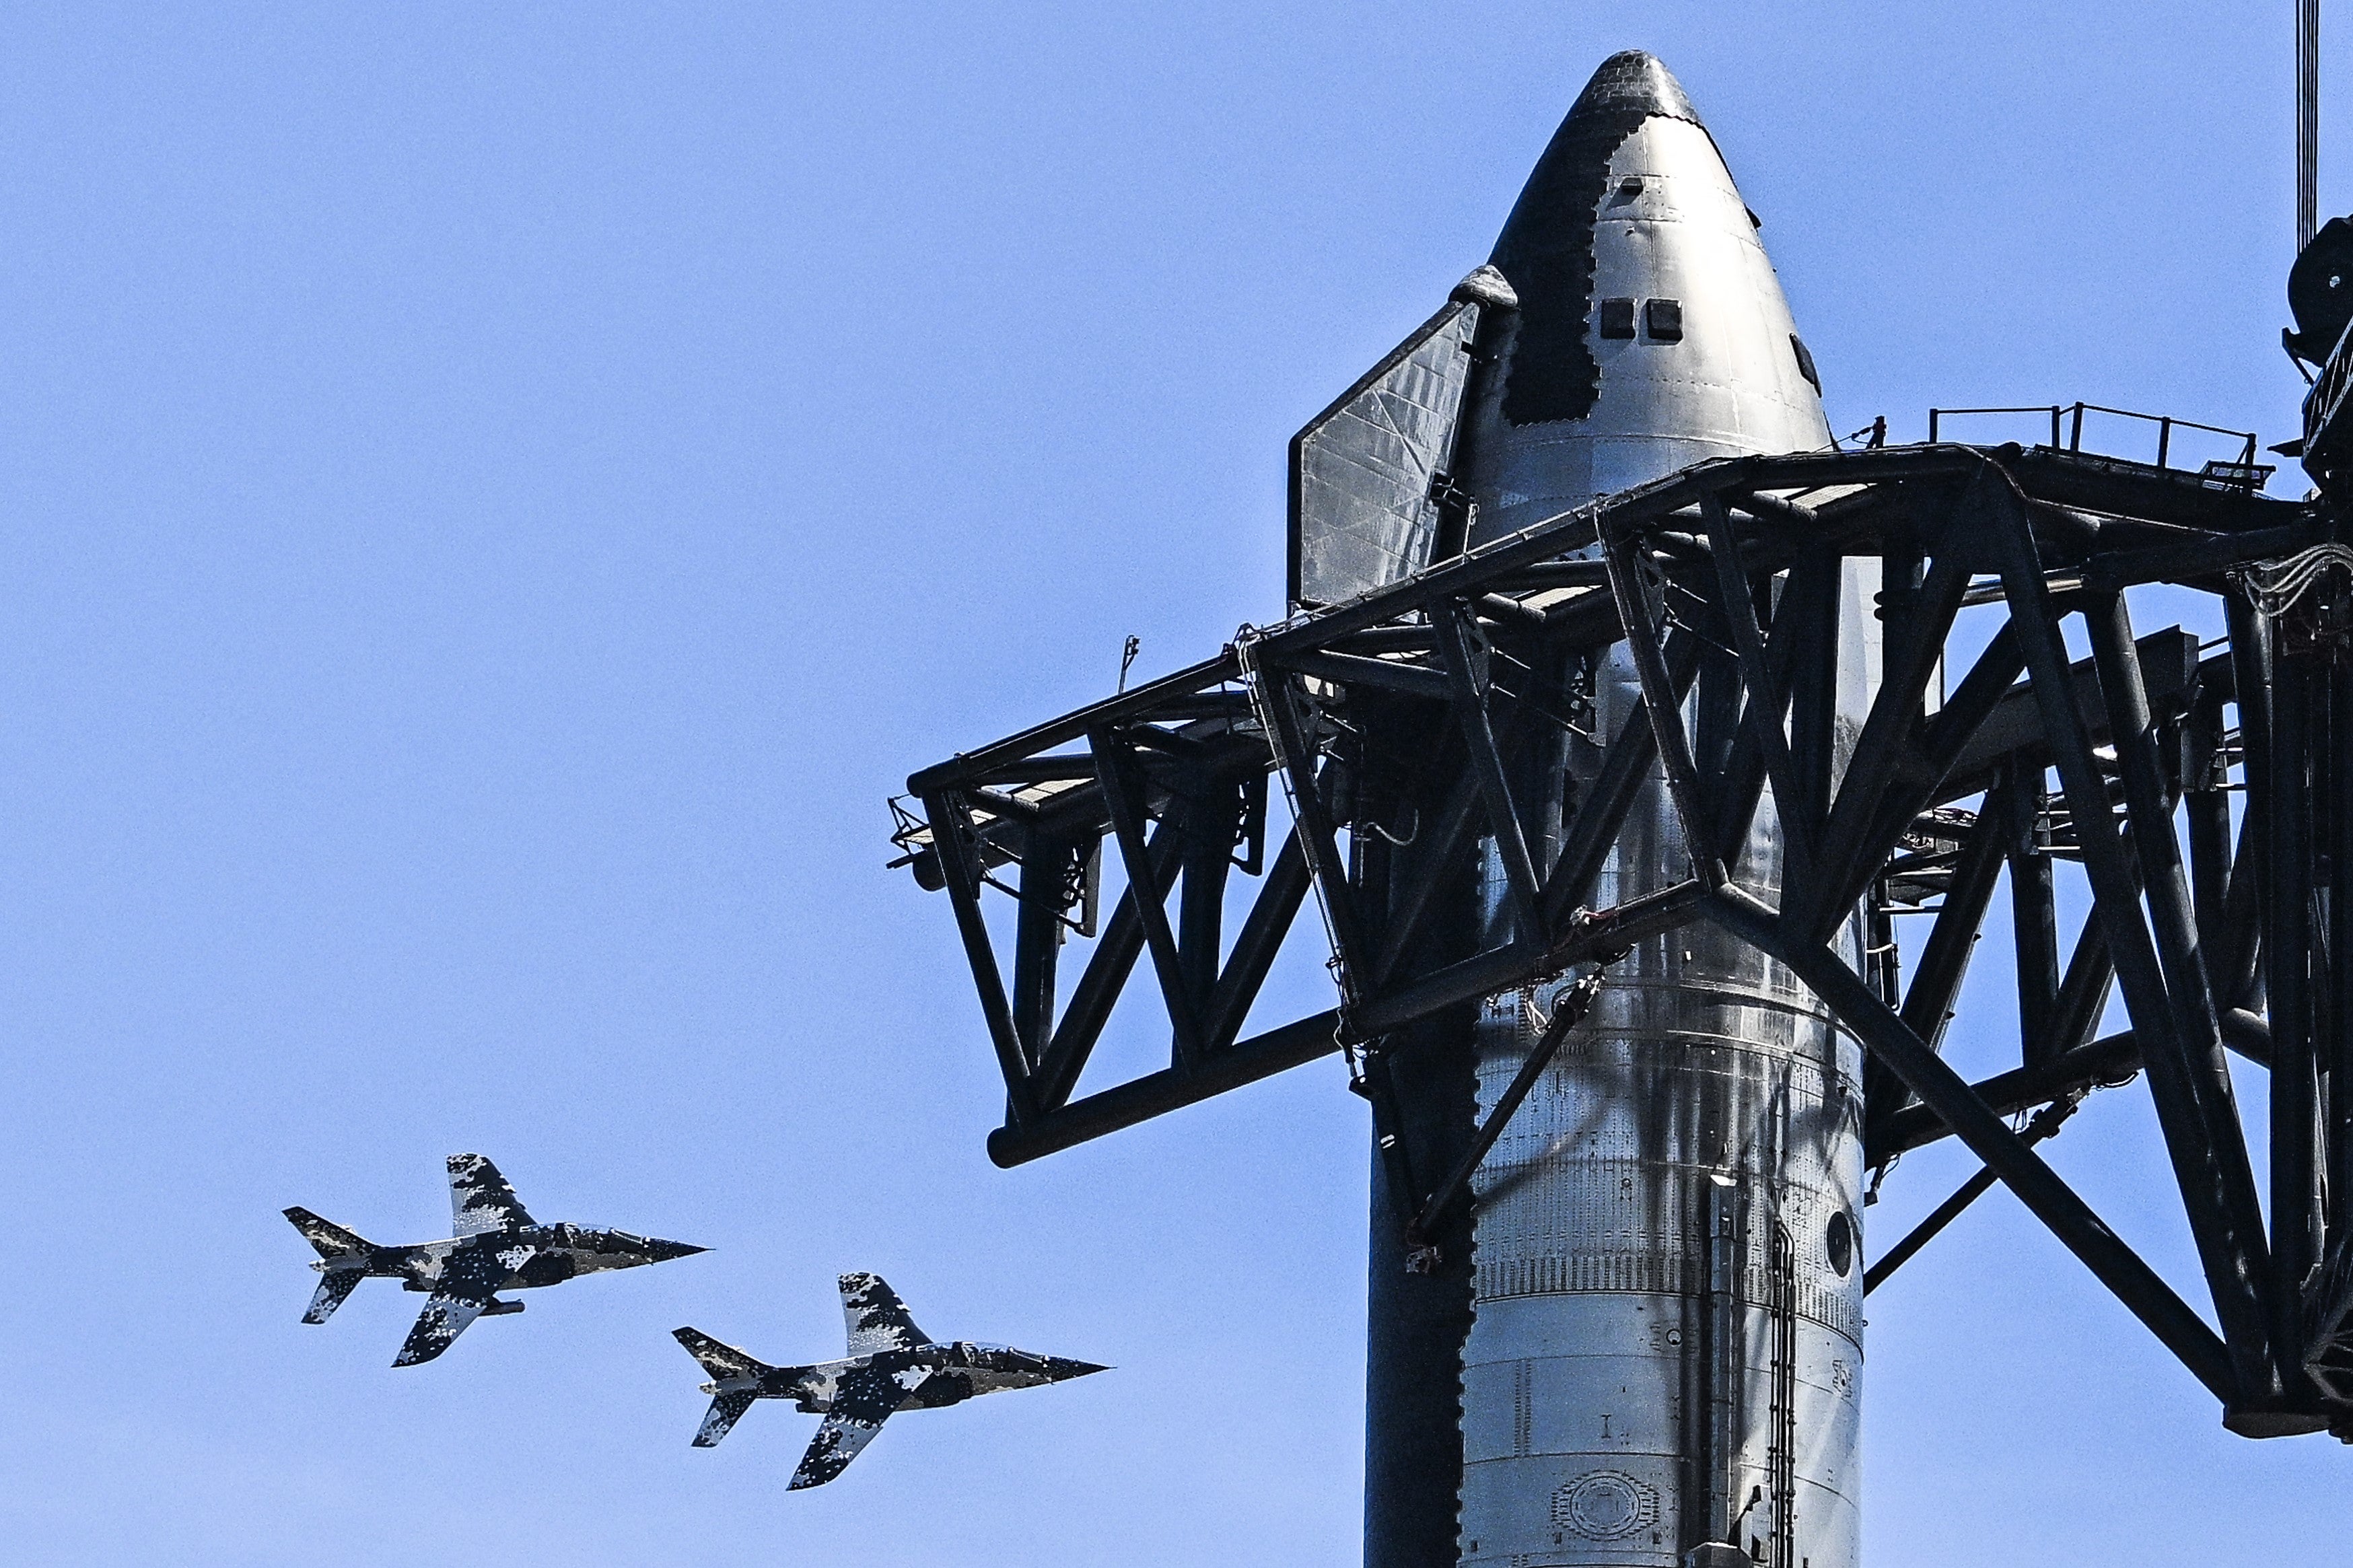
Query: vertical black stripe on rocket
{"points": [[1546, 246]]}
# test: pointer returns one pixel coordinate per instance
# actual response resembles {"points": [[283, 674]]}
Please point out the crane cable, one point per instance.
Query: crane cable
{"points": [[2307, 121]]}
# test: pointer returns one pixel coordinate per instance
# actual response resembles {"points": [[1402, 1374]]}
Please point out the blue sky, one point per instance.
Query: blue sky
{"points": [[492, 497]]}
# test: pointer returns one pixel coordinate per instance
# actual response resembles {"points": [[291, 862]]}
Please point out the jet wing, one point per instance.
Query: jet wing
{"points": [[863, 1401], [468, 1282], [480, 1198], [438, 1327]]}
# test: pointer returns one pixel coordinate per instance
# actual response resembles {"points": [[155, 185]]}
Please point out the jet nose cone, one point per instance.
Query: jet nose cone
{"points": [[1062, 1369], [1634, 82], [664, 1251]]}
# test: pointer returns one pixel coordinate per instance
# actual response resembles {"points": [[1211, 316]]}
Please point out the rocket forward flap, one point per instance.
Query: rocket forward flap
{"points": [[1372, 494]]}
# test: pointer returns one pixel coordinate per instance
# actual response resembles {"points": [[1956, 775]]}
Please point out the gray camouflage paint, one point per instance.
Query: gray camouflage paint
{"points": [[498, 1247], [892, 1365]]}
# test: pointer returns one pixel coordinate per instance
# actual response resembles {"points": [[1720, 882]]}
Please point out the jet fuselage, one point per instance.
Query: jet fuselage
{"points": [[533, 1256], [958, 1371]]}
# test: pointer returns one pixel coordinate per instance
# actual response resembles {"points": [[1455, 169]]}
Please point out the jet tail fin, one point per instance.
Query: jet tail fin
{"points": [[345, 1255], [876, 1319], [719, 1361], [332, 1241]]}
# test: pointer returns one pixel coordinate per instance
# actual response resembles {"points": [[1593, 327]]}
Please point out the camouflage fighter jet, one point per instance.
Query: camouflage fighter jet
{"points": [[499, 1246], [893, 1366]]}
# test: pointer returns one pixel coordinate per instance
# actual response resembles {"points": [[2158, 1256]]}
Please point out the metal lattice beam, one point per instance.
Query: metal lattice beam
{"points": [[1397, 724]]}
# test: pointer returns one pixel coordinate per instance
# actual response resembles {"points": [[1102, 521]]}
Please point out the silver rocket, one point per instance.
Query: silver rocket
{"points": [[1662, 1355]]}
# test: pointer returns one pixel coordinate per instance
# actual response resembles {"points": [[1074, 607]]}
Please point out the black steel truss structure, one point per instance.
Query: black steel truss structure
{"points": [[1395, 724]]}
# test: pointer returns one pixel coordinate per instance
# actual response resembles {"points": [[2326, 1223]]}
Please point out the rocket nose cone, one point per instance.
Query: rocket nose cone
{"points": [[1546, 249], [1638, 83], [1556, 206]]}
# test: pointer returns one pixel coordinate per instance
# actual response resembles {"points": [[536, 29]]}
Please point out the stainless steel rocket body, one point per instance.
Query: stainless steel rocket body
{"points": [[1665, 1346]]}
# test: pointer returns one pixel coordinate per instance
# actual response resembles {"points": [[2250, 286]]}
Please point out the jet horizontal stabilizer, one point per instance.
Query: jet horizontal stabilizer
{"points": [[725, 1410], [333, 1291], [867, 1396]]}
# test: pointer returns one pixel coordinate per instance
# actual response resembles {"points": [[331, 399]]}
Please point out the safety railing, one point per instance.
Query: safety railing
{"points": [[2326, 399], [2067, 429]]}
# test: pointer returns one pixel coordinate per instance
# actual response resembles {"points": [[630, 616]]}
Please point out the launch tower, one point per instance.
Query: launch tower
{"points": [[1655, 761]]}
